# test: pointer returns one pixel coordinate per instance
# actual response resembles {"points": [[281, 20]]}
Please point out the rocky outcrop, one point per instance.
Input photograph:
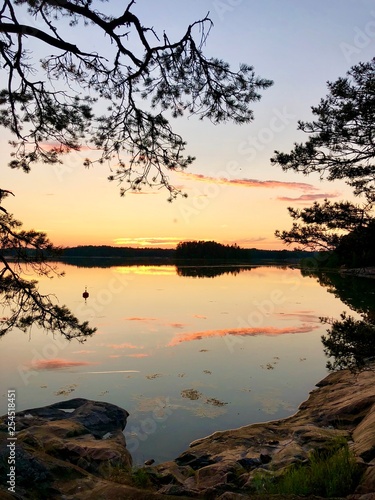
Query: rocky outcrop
{"points": [[72, 450], [76, 449], [343, 405]]}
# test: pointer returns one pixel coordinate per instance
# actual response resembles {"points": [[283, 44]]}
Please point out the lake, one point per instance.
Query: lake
{"points": [[185, 351]]}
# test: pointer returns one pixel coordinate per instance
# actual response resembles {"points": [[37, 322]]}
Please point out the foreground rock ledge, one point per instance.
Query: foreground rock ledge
{"points": [[76, 449], [342, 405]]}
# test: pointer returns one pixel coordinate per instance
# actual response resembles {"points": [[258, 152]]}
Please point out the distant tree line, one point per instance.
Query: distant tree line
{"points": [[188, 250], [211, 250], [106, 251], [198, 250], [207, 250]]}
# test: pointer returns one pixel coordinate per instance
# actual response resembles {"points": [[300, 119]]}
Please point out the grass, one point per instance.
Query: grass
{"points": [[136, 476], [140, 477], [329, 473]]}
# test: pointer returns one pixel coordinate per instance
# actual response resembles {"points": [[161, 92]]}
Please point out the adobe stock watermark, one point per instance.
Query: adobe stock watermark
{"points": [[265, 308], [96, 304], [222, 7], [254, 144], [11, 441], [147, 426], [256, 318], [74, 160], [200, 198], [362, 38]]}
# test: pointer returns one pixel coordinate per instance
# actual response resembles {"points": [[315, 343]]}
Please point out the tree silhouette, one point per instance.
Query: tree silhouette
{"points": [[208, 250], [350, 343], [22, 302], [341, 137], [77, 97], [324, 226], [340, 145]]}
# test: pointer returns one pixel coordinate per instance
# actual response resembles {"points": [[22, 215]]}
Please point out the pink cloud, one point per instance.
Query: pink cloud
{"points": [[309, 197], [139, 355], [177, 325], [125, 345], [136, 318], [250, 183], [241, 332], [83, 351], [57, 146], [58, 364], [160, 322], [255, 239]]}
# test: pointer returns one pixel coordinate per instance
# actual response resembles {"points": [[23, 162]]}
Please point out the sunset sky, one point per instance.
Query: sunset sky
{"points": [[234, 194]]}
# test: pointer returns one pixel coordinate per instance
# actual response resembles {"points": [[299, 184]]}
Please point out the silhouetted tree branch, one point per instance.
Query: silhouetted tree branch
{"points": [[350, 343], [77, 97], [341, 142], [23, 305], [323, 226]]}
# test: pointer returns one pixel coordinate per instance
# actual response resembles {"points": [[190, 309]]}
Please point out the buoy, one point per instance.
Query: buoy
{"points": [[85, 294]]}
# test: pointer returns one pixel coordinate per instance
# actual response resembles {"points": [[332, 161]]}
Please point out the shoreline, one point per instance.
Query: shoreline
{"points": [[361, 272], [77, 448]]}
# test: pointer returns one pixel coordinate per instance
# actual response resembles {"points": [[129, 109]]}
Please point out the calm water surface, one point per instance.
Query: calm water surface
{"points": [[185, 356]]}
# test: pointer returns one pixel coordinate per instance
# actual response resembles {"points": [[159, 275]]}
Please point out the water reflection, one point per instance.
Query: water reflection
{"points": [[358, 293], [240, 332], [349, 342], [209, 271], [108, 262], [246, 343]]}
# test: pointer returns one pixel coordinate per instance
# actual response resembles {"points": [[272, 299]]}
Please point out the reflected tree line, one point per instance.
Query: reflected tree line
{"points": [[349, 342], [209, 271]]}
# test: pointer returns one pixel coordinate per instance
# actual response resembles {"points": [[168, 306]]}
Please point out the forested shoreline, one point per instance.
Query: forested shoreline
{"points": [[195, 250]]}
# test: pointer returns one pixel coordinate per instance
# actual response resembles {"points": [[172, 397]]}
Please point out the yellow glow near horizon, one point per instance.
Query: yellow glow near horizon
{"points": [[146, 270], [143, 242]]}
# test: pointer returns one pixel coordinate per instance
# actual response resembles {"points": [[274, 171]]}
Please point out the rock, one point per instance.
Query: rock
{"points": [[175, 490], [96, 417], [55, 448], [343, 406], [213, 475], [193, 461], [367, 484], [29, 468], [364, 437], [249, 463], [265, 458], [232, 496]]}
